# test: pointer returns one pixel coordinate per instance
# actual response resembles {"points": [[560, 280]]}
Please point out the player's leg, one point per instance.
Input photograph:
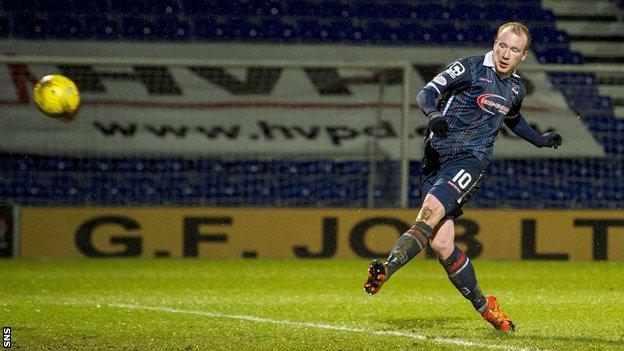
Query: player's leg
{"points": [[408, 245], [461, 272], [457, 265], [463, 176], [418, 236]]}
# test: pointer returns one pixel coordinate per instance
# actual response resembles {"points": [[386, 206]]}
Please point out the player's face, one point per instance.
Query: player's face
{"points": [[509, 51]]}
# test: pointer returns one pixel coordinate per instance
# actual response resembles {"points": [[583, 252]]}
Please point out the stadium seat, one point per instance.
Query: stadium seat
{"points": [[125, 181], [208, 29], [128, 7], [20, 6], [171, 28], [163, 8], [29, 26], [101, 28], [62, 27], [137, 28], [278, 30]]}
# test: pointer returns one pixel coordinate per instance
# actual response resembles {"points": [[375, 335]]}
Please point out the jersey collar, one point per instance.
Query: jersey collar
{"points": [[489, 62]]}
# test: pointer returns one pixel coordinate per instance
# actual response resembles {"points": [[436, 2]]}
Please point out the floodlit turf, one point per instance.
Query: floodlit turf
{"points": [[303, 305]]}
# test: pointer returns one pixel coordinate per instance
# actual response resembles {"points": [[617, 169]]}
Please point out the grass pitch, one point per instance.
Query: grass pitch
{"points": [[304, 305]]}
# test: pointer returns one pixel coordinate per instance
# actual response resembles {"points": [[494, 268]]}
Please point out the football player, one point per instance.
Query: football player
{"points": [[476, 95]]}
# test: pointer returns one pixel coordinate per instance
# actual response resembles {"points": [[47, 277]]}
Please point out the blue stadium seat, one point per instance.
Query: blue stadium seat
{"points": [[101, 28], [137, 28], [54, 7], [397, 11], [266, 8], [479, 33], [109, 181], [128, 7], [243, 30], [431, 12], [19, 6], [195, 8], [557, 55], [173, 164], [29, 26], [466, 11], [208, 29], [62, 27], [163, 8], [171, 29], [381, 32], [313, 30], [276, 29], [87, 7]]}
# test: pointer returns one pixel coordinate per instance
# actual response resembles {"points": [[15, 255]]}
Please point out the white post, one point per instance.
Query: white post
{"points": [[404, 154]]}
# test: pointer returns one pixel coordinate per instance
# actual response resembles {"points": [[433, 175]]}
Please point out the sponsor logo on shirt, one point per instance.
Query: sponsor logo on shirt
{"points": [[455, 70], [492, 102], [455, 187]]}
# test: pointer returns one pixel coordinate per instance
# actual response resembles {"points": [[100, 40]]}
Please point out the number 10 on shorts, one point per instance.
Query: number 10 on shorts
{"points": [[462, 178]]}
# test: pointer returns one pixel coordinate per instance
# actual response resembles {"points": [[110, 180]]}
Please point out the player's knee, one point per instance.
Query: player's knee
{"points": [[422, 232], [431, 211], [442, 247]]}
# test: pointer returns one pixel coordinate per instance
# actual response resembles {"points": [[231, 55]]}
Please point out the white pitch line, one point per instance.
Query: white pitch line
{"points": [[409, 335]]}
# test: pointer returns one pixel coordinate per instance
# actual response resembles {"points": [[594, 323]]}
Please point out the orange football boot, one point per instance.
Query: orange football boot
{"points": [[377, 275], [496, 317]]}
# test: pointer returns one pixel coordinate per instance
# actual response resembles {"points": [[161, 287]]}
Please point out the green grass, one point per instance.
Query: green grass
{"points": [[301, 305]]}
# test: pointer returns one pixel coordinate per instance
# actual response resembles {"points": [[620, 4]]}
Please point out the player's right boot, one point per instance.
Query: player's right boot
{"points": [[496, 317], [377, 275]]}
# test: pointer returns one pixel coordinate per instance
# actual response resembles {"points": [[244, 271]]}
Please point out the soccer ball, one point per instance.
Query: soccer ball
{"points": [[57, 96]]}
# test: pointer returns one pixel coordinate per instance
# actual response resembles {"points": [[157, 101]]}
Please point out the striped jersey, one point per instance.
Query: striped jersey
{"points": [[474, 101]]}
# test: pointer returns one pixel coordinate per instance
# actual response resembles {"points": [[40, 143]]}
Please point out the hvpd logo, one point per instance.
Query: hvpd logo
{"points": [[489, 102]]}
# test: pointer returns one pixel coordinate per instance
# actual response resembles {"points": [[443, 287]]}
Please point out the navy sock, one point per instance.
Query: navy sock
{"points": [[462, 275], [408, 246]]}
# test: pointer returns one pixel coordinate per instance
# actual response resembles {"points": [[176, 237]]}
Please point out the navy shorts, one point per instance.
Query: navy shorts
{"points": [[451, 179]]}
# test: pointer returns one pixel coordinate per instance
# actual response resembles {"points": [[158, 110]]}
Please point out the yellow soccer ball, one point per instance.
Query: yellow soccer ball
{"points": [[57, 96]]}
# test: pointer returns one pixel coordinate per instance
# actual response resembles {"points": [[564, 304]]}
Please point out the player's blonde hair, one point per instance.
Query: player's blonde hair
{"points": [[518, 29]]}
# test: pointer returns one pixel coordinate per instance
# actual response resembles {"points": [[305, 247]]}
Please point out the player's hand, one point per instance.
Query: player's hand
{"points": [[552, 139], [438, 124]]}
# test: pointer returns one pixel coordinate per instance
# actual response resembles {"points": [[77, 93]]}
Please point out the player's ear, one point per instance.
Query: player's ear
{"points": [[524, 55]]}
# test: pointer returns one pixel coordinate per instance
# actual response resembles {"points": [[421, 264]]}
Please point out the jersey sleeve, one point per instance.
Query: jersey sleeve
{"points": [[455, 76], [514, 112], [521, 127]]}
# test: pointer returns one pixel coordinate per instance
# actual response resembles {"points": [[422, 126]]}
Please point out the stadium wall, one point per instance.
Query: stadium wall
{"points": [[228, 233]]}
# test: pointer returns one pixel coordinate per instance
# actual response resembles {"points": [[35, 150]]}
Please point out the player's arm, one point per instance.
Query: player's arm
{"points": [[455, 77], [519, 125]]}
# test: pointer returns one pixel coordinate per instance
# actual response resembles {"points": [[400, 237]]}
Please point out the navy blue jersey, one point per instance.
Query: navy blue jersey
{"points": [[474, 101]]}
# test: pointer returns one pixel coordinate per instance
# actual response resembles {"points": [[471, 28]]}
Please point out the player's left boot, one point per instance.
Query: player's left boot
{"points": [[377, 275], [496, 317]]}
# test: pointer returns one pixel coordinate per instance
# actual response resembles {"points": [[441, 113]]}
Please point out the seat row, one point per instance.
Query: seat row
{"points": [[541, 183], [326, 9]]}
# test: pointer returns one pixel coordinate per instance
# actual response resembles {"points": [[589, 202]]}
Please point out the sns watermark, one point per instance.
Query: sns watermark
{"points": [[6, 337]]}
